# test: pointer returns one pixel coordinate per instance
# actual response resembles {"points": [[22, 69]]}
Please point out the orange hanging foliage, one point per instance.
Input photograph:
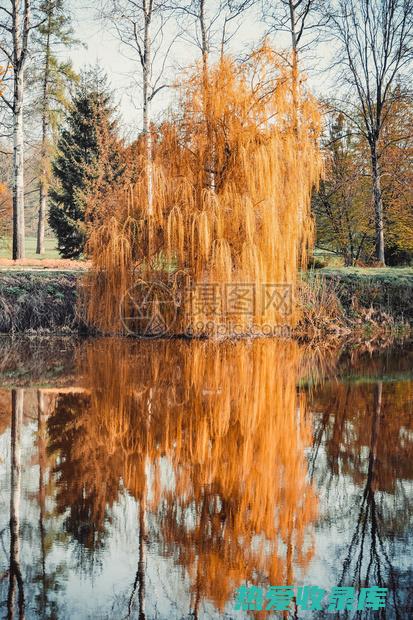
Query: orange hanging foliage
{"points": [[232, 175], [231, 428]]}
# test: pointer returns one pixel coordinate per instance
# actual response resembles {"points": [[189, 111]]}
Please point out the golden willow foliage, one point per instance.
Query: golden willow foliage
{"points": [[230, 427], [232, 176]]}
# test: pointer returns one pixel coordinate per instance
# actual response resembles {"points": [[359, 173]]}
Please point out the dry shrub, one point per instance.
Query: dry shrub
{"points": [[320, 307], [225, 199], [35, 302], [331, 306]]}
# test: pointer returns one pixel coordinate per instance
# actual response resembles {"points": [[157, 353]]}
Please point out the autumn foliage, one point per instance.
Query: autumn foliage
{"points": [[226, 197], [5, 209]]}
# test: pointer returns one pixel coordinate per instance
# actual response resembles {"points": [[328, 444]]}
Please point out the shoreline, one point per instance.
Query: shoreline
{"points": [[55, 362], [335, 303]]}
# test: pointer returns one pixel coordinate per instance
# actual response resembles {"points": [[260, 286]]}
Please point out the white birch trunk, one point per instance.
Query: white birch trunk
{"points": [[18, 135], [18, 169], [45, 133], [20, 34]]}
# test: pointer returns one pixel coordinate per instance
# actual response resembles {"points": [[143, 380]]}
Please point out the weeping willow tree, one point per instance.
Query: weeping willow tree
{"points": [[232, 172]]}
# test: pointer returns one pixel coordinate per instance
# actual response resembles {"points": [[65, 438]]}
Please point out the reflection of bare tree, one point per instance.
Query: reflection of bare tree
{"points": [[139, 583], [15, 575], [367, 540], [366, 420], [41, 445]]}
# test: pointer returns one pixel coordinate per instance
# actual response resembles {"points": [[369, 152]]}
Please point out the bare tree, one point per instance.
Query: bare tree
{"points": [[211, 25], [301, 19], [14, 40], [52, 76], [140, 26], [376, 48]]}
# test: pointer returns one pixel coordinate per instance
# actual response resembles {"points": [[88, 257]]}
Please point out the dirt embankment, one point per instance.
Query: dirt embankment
{"points": [[29, 264]]}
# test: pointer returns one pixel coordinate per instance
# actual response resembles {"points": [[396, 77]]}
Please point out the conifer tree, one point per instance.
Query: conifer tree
{"points": [[89, 160], [50, 78]]}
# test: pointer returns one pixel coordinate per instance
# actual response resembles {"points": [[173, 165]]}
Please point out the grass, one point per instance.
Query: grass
{"points": [[388, 289], [330, 259], [50, 249], [369, 272]]}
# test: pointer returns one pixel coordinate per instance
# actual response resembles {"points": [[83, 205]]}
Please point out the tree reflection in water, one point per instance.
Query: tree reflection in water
{"points": [[228, 422], [215, 448], [15, 575], [367, 432]]}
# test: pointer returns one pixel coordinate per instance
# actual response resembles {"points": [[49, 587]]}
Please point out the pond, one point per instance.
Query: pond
{"points": [[154, 479]]}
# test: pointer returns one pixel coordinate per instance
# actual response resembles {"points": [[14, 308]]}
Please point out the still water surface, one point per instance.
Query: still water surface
{"points": [[152, 479]]}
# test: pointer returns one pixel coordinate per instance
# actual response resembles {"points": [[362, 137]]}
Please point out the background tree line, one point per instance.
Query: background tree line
{"points": [[61, 142]]}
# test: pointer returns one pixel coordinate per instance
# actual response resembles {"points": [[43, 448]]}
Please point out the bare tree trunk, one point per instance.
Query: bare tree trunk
{"points": [[204, 40], [210, 157], [148, 141], [378, 204], [45, 132], [18, 169], [146, 67], [41, 217], [15, 491], [294, 47], [294, 82], [292, 21], [20, 33]]}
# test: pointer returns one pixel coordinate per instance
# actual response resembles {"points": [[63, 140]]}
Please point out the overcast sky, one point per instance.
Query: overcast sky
{"points": [[101, 46]]}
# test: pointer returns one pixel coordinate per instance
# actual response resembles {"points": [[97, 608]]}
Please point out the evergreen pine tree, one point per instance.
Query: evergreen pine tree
{"points": [[49, 79], [89, 160]]}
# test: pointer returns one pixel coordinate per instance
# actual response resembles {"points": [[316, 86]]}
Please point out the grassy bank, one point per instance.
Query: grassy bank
{"points": [[389, 289], [331, 298], [36, 301]]}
